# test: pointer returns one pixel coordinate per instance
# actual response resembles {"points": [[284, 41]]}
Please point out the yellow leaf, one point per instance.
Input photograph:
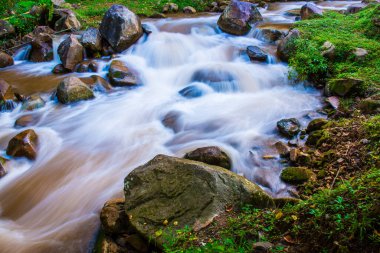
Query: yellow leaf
{"points": [[158, 233], [279, 215], [294, 217], [166, 222]]}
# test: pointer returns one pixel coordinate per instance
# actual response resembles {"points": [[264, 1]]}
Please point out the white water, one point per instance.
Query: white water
{"points": [[87, 149]]}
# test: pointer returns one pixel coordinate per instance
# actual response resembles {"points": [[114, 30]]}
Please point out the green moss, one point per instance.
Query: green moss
{"points": [[316, 138], [296, 175]]}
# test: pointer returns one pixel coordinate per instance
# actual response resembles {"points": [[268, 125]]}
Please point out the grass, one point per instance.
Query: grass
{"points": [[346, 32]]}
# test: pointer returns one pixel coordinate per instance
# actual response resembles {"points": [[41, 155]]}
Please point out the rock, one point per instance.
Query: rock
{"points": [[3, 172], [282, 149], [293, 154], [138, 243], [293, 12], [316, 138], [370, 105], [186, 192], [286, 46], [6, 29], [342, 87], [316, 124], [289, 127], [97, 83], [120, 27], [237, 18], [34, 102], [310, 10], [72, 89], [107, 245], [333, 102], [58, 3], [27, 120], [256, 54], [41, 13], [296, 175], [113, 218], [192, 91], [70, 52], [66, 20], [41, 51], [360, 54], [328, 50], [6, 91], [5, 60], [87, 66], [218, 80], [121, 75], [24, 144], [355, 8], [60, 69], [170, 7], [271, 35], [172, 120], [211, 155], [262, 247], [189, 10], [92, 40]]}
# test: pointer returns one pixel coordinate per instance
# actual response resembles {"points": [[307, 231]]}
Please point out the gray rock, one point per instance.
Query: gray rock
{"points": [[310, 10], [72, 89], [120, 27], [183, 191], [328, 50], [360, 54], [256, 54], [289, 127], [92, 40], [211, 155], [70, 52], [286, 47], [238, 17]]}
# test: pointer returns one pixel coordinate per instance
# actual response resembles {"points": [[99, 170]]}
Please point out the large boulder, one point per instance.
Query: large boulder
{"points": [[121, 75], [286, 46], [289, 127], [72, 89], [65, 20], [24, 144], [210, 155], [238, 17], [120, 27], [169, 190], [310, 10], [6, 29], [5, 60], [92, 40], [342, 87], [70, 52]]}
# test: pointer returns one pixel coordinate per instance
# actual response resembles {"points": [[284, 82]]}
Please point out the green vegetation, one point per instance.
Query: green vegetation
{"points": [[345, 32]]}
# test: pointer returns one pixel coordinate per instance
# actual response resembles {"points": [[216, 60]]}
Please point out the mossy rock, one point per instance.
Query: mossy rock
{"points": [[343, 87], [72, 89], [370, 106], [316, 124], [296, 175], [316, 138]]}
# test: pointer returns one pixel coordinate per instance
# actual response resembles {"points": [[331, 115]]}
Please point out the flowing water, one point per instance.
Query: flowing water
{"points": [[87, 149]]}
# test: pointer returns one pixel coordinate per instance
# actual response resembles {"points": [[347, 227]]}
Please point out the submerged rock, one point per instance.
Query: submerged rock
{"points": [[256, 54], [286, 47], [27, 120], [297, 175], [72, 89], [34, 102], [237, 18], [24, 144], [271, 35], [185, 192], [310, 10], [120, 27], [210, 155], [70, 52], [289, 127], [5, 60], [121, 75]]}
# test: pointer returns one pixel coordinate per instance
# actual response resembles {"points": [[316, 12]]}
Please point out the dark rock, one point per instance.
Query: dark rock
{"points": [[92, 40], [192, 91], [170, 7], [86, 66], [113, 218], [342, 87], [41, 13], [282, 149], [333, 102], [289, 127], [172, 120], [41, 51], [316, 124], [65, 20], [262, 247], [6, 91], [271, 35], [317, 137], [72, 89], [237, 18], [286, 46], [27, 120], [310, 10], [121, 75], [158, 15], [97, 83], [6, 29], [5, 60], [370, 105], [138, 243], [60, 69], [107, 245], [256, 54], [34, 102], [70, 52], [186, 192], [120, 27], [210, 155], [354, 8], [296, 175], [24, 144], [189, 10]]}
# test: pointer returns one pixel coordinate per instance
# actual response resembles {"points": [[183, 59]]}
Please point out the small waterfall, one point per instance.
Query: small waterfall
{"points": [[22, 54]]}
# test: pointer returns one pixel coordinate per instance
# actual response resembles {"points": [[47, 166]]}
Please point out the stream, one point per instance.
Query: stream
{"points": [[87, 149]]}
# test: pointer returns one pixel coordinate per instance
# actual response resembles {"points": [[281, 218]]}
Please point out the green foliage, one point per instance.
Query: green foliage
{"points": [[345, 32]]}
